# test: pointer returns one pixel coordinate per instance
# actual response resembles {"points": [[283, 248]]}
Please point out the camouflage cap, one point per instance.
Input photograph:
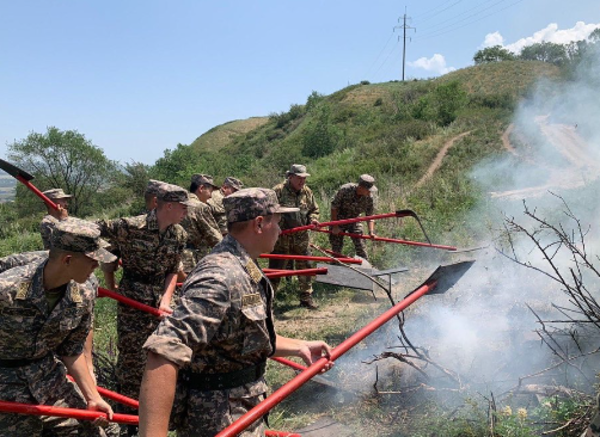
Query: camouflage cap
{"points": [[298, 170], [233, 183], [56, 193], [368, 182], [249, 203], [153, 186], [82, 237], [203, 179], [173, 193]]}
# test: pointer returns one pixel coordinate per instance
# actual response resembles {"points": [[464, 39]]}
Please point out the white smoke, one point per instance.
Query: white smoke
{"points": [[483, 330]]}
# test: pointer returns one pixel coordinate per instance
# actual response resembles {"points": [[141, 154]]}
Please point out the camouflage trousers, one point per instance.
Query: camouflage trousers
{"points": [[133, 329], [293, 244], [42, 384], [337, 241], [593, 429], [209, 412]]}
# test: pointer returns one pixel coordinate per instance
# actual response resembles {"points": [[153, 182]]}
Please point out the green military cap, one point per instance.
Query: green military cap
{"points": [[56, 193], [82, 237], [152, 187], [173, 193], [233, 183], [249, 203], [203, 179], [298, 170], [368, 182]]}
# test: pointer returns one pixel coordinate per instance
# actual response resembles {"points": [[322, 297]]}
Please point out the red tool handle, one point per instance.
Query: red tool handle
{"points": [[103, 292], [271, 433], [309, 258], [343, 222], [37, 192], [289, 363], [114, 396], [47, 410], [390, 240], [283, 392]]}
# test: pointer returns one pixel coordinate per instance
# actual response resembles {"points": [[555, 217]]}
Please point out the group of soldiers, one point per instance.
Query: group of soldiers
{"points": [[202, 363]]}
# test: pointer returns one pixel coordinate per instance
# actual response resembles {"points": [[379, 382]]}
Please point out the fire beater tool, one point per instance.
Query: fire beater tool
{"points": [[439, 282]]}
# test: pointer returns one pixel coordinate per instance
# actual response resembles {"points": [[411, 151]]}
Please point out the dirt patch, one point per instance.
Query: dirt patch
{"points": [[437, 162]]}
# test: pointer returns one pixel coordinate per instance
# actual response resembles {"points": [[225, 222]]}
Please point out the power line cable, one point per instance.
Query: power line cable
{"points": [[436, 34], [386, 58], [439, 12], [461, 17], [434, 8], [379, 55]]}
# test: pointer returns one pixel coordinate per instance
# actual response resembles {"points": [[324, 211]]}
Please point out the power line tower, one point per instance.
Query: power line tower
{"points": [[404, 27]]}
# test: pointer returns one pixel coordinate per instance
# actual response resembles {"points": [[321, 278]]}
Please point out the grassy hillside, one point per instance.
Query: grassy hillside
{"points": [[391, 130], [221, 135]]}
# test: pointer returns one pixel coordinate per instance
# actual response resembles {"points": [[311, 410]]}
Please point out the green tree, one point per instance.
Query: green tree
{"points": [[67, 160], [321, 137], [493, 54], [546, 52]]}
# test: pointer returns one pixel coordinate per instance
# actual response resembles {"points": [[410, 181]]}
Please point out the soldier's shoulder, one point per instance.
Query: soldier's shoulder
{"points": [[348, 186], [48, 219], [136, 221], [279, 187], [20, 259], [11, 279]]}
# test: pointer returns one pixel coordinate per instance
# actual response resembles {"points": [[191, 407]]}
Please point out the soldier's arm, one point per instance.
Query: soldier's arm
{"points": [[370, 211], [165, 301], [87, 353], [77, 368], [313, 214], [309, 351], [156, 396]]}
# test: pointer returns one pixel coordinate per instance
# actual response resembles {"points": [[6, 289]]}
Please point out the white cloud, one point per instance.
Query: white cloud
{"points": [[550, 33], [436, 64], [492, 39]]}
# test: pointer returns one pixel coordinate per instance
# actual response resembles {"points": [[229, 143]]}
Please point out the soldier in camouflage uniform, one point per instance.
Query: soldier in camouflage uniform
{"points": [[61, 199], [150, 246], [200, 225], [350, 201], [294, 192], [221, 331], [46, 309], [230, 186], [109, 269]]}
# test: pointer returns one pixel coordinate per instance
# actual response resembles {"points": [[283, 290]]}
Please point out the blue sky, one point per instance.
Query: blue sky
{"points": [[138, 77]]}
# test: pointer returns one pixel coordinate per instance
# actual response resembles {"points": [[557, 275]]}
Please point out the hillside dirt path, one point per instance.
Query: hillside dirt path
{"points": [[506, 139], [579, 168], [437, 162]]}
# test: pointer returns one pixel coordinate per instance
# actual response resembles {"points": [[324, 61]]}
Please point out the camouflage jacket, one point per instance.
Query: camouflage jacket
{"points": [[224, 320], [147, 254], [203, 231], [20, 259], [28, 330], [303, 199], [349, 205], [46, 227], [218, 210]]}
